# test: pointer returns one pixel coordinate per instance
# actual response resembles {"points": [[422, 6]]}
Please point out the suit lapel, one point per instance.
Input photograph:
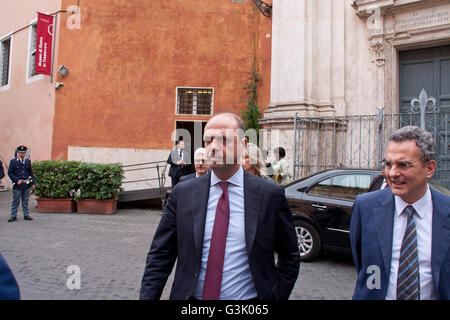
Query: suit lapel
{"points": [[440, 236], [252, 204], [199, 198], [384, 223]]}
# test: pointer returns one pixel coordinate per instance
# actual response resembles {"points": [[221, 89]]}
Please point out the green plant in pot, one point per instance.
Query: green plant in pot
{"points": [[55, 183], [98, 187]]}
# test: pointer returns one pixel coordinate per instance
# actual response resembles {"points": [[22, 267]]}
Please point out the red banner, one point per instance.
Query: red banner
{"points": [[44, 42]]}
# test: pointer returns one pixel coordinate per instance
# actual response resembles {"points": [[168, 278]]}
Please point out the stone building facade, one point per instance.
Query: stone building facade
{"points": [[346, 58]]}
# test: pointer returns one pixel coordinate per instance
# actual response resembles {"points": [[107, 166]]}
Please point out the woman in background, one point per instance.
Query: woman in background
{"points": [[253, 161], [280, 166]]}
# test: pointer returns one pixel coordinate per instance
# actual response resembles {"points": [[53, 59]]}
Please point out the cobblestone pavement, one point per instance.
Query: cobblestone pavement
{"points": [[110, 251]]}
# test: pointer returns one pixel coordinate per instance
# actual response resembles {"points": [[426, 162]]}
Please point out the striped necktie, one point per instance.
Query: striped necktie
{"points": [[408, 285]]}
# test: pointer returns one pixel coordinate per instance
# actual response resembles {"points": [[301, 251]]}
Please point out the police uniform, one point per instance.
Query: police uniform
{"points": [[20, 169], [2, 173]]}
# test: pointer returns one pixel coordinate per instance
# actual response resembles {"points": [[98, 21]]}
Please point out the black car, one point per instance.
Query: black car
{"points": [[322, 207]]}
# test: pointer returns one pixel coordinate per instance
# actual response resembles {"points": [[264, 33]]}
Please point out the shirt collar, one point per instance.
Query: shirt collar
{"points": [[237, 179], [420, 205]]}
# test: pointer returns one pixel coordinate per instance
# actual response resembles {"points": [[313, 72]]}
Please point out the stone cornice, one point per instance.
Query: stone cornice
{"points": [[364, 8]]}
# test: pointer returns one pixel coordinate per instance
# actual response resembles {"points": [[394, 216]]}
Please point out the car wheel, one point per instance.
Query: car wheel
{"points": [[308, 239]]}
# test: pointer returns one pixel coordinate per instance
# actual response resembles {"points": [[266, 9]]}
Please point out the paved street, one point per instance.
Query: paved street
{"points": [[110, 252]]}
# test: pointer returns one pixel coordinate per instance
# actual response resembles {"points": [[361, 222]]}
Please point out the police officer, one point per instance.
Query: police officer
{"points": [[21, 175], [2, 173]]}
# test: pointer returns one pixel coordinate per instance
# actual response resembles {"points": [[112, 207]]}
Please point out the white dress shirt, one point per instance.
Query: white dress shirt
{"points": [[423, 219], [237, 280]]}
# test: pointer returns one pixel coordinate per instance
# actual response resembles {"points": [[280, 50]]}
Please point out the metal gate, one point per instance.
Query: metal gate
{"points": [[359, 141]]}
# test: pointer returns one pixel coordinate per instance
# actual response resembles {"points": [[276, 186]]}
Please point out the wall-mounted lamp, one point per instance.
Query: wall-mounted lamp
{"points": [[63, 71], [59, 85]]}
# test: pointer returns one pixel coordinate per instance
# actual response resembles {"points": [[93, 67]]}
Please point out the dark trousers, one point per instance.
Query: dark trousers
{"points": [[21, 194], [175, 180]]}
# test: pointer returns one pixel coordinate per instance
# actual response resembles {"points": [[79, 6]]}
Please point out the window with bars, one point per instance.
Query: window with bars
{"points": [[5, 51], [32, 51], [195, 101]]}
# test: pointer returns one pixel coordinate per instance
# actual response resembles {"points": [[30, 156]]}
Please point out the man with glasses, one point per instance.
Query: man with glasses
{"points": [[400, 235], [200, 165], [22, 178]]}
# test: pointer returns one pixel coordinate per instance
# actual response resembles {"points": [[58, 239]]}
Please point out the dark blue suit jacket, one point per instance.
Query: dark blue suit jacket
{"points": [[9, 289], [2, 172], [269, 228], [371, 234], [18, 171]]}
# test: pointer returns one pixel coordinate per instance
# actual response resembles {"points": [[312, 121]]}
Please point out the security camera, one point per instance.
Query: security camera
{"points": [[59, 85]]}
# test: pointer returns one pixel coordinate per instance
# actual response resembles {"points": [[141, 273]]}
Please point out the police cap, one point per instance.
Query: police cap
{"points": [[21, 148]]}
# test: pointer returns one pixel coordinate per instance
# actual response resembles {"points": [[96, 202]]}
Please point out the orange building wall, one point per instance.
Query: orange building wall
{"points": [[128, 58]]}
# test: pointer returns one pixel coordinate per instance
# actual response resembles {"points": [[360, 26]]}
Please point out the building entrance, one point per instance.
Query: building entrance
{"points": [[192, 133], [429, 69]]}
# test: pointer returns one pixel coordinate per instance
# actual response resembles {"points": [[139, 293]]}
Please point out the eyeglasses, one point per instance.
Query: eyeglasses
{"points": [[400, 165], [199, 161]]}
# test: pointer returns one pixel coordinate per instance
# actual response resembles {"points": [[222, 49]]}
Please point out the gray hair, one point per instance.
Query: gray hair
{"points": [[199, 151], [424, 141]]}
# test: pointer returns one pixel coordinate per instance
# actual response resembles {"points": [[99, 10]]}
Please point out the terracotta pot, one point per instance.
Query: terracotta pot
{"points": [[108, 206], [66, 205]]}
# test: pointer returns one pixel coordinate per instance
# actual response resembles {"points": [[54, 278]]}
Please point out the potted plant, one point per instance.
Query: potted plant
{"points": [[55, 183], [98, 187]]}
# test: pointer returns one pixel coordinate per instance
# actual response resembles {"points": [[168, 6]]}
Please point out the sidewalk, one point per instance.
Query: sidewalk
{"points": [[109, 250]]}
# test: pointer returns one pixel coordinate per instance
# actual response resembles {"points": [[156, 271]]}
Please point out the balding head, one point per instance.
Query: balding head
{"points": [[224, 140]]}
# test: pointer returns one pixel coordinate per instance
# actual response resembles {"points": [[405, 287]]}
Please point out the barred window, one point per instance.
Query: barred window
{"points": [[194, 101], [32, 51], [4, 62]]}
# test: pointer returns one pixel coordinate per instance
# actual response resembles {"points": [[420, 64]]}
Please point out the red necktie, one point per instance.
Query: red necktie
{"points": [[214, 267]]}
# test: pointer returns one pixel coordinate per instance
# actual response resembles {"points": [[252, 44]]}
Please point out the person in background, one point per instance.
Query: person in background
{"points": [[22, 178], [281, 167], [378, 182], [178, 159], [268, 170], [200, 165], [2, 172], [253, 161]]}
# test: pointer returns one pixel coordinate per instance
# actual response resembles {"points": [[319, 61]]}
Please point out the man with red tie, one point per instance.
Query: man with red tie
{"points": [[224, 228]]}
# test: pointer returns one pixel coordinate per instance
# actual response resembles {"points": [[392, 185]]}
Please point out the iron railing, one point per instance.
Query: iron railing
{"points": [[359, 141], [159, 168]]}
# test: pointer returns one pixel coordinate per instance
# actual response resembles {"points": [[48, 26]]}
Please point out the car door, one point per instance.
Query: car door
{"points": [[330, 202]]}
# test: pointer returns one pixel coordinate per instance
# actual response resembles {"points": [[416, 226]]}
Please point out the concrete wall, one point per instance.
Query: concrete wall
{"points": [[127, 59], [127, 156], [320, 58]]}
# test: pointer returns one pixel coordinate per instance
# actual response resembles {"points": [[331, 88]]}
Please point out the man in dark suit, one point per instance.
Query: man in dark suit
{"points": [[2, 172], [178, 159], [223, 229], [377, 183], [400, 235], [200, 165], [21, 175], [9, 290]]}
